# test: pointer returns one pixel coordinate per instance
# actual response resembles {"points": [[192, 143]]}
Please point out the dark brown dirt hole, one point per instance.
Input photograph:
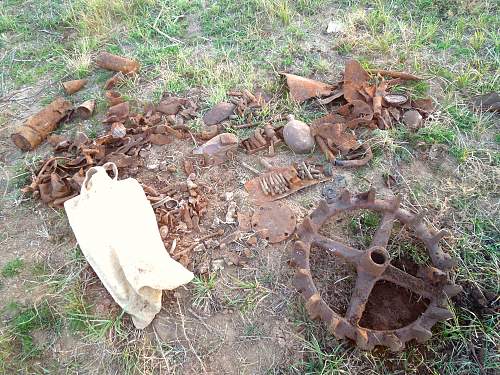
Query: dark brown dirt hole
{"points": [[391, 307]]}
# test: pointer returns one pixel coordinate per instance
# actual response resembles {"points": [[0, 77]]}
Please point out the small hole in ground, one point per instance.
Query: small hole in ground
{"points": [[377, 257]]}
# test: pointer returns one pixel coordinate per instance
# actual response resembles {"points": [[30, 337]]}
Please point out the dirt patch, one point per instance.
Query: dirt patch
{"points": [[391, 307]]}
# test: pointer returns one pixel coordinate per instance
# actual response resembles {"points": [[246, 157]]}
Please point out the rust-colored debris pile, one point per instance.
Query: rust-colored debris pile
{"points": [[364, 99]]}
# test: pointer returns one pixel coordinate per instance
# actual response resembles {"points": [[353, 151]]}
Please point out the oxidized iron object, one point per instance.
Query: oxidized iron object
{"points": [[278, 183], [262, 139], [302, 88], [74, 86], [274, 222], [39, 126], [85, 110], [116, 63], [352, 159], [372, 265]]}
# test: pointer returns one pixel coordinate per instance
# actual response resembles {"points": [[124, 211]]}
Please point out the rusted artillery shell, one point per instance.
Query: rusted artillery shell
{"points": [[73, 86], [38, 126], [86, 109], [109, 61]]}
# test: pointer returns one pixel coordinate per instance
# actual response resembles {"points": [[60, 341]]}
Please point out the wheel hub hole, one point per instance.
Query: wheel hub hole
{"points": [[378, 257]]}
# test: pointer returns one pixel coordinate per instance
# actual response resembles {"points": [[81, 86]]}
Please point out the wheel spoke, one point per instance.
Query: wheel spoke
{"points": [[359, 297], [412, 283], [381, 237], [337, 248]]}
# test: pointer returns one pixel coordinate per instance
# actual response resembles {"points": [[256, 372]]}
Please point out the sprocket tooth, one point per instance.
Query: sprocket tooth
{"points": [[420, 333], [393, 342], [439, 313], [362, 340], [309, 226], [312, 306], [334, 323], [345, 196], [439, 236], [302, 282], [340, 330], [370, 196], [451, 290]]}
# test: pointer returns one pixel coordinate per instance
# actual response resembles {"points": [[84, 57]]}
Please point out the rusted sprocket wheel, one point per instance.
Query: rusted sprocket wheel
{"points": [[373, 265]]}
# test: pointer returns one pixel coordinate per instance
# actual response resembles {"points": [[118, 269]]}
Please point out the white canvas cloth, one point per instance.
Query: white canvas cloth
{"points": [[116, 229]]}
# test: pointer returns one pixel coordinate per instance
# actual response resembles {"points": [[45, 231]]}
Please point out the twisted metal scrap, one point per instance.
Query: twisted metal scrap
{"points": [[373, 265]]}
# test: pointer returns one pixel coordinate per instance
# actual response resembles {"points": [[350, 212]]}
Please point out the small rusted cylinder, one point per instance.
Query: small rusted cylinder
{"points": [[39, 126], [116, 63], [86, 109], [114, 98], [73, 86]]}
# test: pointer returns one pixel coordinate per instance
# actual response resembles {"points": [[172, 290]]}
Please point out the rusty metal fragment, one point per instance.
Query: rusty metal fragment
{"points": [[302, 88], [116, 63], [274, 222], [39, 126], [372, 265], [218, 113], [210, 132], [345, 141], [218, 148], [171, 105], [74, 86], [86, 109], [262, 139], [352, 159], [117, 113], [354, 79]]}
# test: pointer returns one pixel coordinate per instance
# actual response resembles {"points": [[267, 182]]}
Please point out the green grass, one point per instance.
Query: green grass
{"points": [[12, 268], [26, 322], [363, 226], [204, 289]]}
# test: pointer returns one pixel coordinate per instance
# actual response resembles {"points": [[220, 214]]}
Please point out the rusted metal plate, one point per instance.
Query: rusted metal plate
{"points": [[274, 222], [278, 183]]}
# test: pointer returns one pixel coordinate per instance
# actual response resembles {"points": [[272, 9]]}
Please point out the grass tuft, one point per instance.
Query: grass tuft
{"points": [[12, 268]]}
